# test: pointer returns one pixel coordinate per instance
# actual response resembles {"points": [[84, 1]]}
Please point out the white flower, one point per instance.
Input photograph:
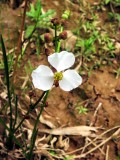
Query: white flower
{"points": [[43, 77]]}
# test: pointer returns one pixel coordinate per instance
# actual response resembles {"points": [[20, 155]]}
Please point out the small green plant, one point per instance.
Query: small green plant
{"points": [[90, 26], [117, 72], [39, 19], [82, 109], [53, 153], [87, 47], [71, 157], [114, 2], [10, 58], [118, 157], [106, 45], [114, 16], [28, 68]]}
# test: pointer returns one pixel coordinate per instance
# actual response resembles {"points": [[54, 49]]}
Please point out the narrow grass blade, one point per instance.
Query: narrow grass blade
{"points": [[7, 77]]}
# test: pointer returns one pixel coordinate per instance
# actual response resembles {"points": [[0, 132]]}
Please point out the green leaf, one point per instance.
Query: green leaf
{"points": [[117, 17], [35, 11], [69, 157], [107, 1], [38, 7], [66, 14], [7, 77], [53, 153], [32, 12], [82, 110], [47, 14], [29, 31]]}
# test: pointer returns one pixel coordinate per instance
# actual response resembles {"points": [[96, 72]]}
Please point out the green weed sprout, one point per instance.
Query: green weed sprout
{"points": [[82, 110], [117, 72], [39, 19], [87, 47], [114, 2]]}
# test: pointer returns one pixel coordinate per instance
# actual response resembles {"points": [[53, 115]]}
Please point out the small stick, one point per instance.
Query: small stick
{"points": [[95, 113], [107, 153], [19, 45], [95, 116], [96, 145], [98, 137], [101, 144]]}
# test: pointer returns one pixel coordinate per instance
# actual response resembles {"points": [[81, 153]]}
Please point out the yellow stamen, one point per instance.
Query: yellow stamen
{"points": [[58, 76]]}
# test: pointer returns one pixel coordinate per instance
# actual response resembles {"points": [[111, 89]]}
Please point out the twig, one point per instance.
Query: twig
{"points": [[107, 153], [10, 51], [96, 145], [95, 113], [95, 116], [79, 65], [111, 7], [45, 153], [25, 82], [76, 130], [19, 45], [98, 137], [101, 144]]}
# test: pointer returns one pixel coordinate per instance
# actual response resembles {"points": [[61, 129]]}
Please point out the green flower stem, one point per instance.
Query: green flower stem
{"points": [[35, 130], [56, 38], [31, 108], [59, 42]]}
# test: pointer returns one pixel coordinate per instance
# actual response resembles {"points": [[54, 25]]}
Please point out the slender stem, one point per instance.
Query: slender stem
{"points": [[34, 134], [32, 107], [7, 79], [55, 38], [19, 41], [22, 120], [59, 42], [36, 103]]}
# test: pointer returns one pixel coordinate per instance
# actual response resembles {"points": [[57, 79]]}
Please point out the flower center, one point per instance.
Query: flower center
{"points": [[58, 76]]}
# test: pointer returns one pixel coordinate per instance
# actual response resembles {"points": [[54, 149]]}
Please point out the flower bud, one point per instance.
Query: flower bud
{"points": [[48, 38], [46, 104], [75, 1], [63, 35], [27, 117], [66, 14], [31, 94], [63, 22], [55, 21]]}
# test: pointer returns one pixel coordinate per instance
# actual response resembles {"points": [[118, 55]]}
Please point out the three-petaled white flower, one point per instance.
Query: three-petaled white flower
{"points": [[43, 77]]}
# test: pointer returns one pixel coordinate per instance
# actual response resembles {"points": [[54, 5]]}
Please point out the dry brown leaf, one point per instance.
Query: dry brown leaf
{"points": [[47, 122], [63, 143], [77, 130]]}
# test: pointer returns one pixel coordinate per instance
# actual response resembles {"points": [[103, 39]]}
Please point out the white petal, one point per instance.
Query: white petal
{"points": [[61, 61], [71, 79], [43, 78]]}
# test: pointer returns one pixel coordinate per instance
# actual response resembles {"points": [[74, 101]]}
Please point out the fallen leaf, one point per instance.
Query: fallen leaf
{"points": [[77, 130]]}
